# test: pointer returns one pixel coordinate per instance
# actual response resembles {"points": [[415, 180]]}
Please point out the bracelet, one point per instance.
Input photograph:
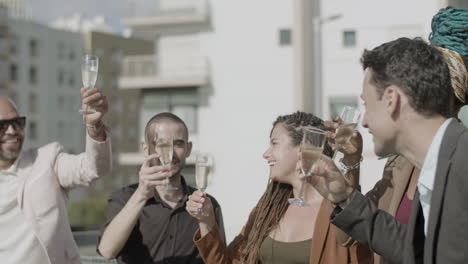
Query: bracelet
{"points": [[350, 167], [96, 127]]}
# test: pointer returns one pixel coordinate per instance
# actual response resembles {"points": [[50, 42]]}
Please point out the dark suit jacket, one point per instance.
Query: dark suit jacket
{"points": [[447, 237]]}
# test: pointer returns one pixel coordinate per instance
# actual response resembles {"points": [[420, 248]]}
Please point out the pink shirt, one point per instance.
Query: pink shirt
{"points": [[404, 210]]}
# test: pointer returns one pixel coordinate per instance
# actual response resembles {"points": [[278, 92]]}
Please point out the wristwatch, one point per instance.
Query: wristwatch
{"points": [[95, 127]]}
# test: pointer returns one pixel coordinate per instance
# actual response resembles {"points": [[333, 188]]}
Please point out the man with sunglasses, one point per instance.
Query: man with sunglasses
{"points": [[34, 184]]}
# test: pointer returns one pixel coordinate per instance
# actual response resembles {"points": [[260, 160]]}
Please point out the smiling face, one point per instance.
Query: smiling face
{"points": [[12, 137], [377, 117], [282, 155]]}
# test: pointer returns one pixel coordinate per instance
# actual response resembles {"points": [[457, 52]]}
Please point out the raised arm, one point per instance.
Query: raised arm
{"points": [[209, 237], [123, 214], [96, 161]]}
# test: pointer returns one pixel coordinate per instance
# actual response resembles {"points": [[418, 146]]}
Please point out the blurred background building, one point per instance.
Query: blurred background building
{"points": [[228, 68]]}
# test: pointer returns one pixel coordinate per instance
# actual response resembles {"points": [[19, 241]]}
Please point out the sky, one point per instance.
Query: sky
{"points": [[46, 11]]}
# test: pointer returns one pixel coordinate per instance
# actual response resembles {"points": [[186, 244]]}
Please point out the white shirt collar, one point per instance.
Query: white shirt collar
{"points": [[429, 168]]}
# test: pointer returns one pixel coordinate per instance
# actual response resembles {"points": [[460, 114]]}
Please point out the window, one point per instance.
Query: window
{"points": [[14, 45], [71, 81], [337, 104], [188, 113], [32, 75], [33, 48], [349, 38], [13, 72], [33, 103], [182, 102], [285, 37], [60, 77], [71, 55], [32, 130], [60, 50]]}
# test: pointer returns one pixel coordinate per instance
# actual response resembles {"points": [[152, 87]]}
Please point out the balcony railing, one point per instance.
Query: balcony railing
{"points": [[177, 66], [137, 66], [163, 8]]}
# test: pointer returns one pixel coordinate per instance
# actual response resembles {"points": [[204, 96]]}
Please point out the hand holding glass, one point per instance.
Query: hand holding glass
{"points": [[313, 140], [89, 72], [203, 172]]}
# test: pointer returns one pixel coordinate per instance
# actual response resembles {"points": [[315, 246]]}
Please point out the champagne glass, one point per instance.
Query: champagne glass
{"points": [[203, 172], [89, 72], [165, 149], [349, 120], [313, 141]]}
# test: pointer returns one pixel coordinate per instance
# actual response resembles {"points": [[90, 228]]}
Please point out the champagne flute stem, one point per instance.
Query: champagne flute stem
{"points": [[301, 191]]}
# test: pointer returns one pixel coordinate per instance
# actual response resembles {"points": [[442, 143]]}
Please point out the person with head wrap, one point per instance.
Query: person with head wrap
{"points": [[395, 192]]}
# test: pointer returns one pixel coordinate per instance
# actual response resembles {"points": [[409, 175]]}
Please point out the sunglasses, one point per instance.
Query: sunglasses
{"points": [[17, 123]]}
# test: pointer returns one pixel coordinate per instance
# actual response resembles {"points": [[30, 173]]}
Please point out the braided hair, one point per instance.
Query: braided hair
{"points": [[273, 204]]}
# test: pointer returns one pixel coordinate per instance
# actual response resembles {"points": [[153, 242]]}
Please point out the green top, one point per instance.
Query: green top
{"points": [[277, 252]]}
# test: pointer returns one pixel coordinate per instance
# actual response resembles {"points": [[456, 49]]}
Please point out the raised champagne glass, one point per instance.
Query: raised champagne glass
{"points": [[313, 141], [349, 120], [89, 72], [165, 149], [203, 173]]}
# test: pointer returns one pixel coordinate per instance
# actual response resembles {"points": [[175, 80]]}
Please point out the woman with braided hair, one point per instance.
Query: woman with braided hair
{"points": [[394, 193], [277, 232]]}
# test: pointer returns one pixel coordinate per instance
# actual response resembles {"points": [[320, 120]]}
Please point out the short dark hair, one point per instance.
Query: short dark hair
{"points": [[164, 116], [417, 68]]}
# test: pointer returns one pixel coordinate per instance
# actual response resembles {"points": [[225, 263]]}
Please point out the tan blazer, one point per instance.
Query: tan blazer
{"points": [[47, 174], [387, 193], [324, 250]]}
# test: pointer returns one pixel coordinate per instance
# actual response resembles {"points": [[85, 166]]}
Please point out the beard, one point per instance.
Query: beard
{"points": [[11, 153]]}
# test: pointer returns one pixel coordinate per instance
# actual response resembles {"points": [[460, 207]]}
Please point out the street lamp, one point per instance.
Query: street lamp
{"points": [[317, 22]]}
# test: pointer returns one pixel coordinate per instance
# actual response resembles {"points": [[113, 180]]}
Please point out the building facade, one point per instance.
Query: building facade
{"points": [[44, 81]]}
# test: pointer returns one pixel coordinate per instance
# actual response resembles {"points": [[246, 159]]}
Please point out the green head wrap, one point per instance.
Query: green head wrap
{"points": [[450, 29]]}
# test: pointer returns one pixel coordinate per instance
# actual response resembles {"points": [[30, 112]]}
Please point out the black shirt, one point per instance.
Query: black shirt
{"points": [[162, 234]]}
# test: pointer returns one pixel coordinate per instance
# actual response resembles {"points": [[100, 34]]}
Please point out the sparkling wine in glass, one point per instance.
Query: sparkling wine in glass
{"points": [[165, 149], [313, 141], [203, 172], [349, 120], [344, 133], [89, 72], [309, 155]]}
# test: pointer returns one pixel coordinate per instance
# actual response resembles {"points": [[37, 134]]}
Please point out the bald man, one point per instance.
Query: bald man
{"points": [[34, 184]]}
